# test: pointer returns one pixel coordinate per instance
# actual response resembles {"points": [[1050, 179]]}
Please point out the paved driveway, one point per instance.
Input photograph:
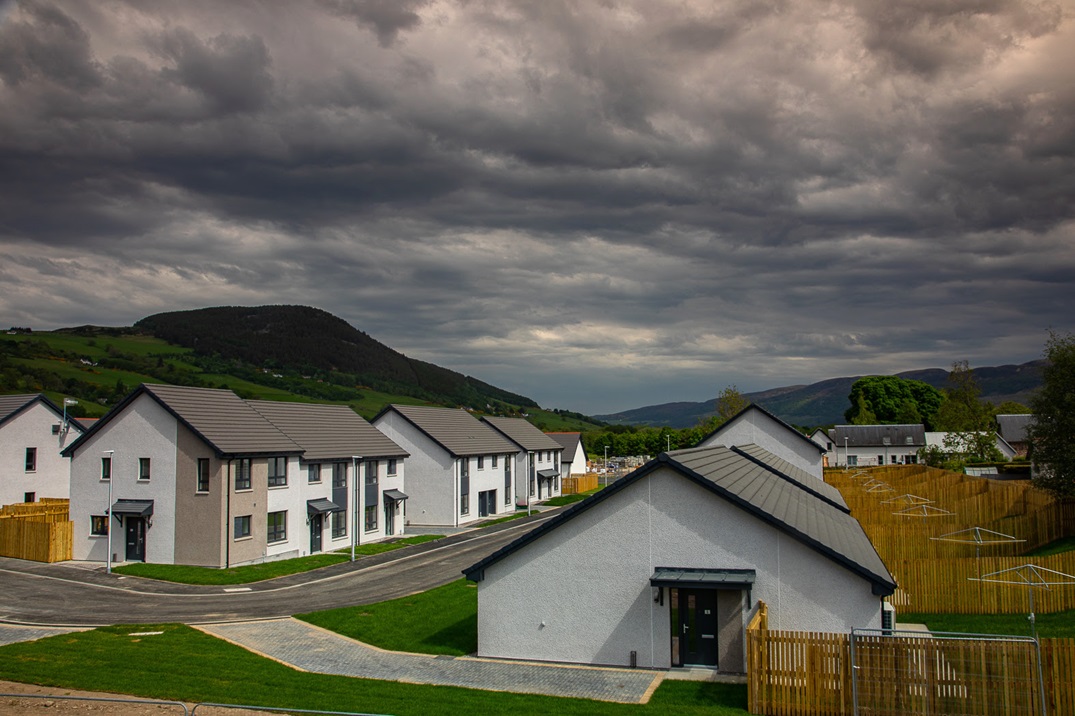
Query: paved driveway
{"points": [[314, 649]]}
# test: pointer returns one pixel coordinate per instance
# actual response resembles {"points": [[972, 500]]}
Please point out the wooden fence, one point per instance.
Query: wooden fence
{"points": [[36, 540], [912, 514], [38, 531], [810, 674], [575, 485]]}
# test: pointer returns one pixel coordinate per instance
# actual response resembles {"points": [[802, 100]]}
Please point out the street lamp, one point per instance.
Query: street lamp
{"points": [[108, 512], [668, 439], [606, 460], [354, 504], [847, 460], [66, 402]]}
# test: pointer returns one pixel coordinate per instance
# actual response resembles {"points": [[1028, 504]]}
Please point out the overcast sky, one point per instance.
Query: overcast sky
{"points": [[600, 205]]}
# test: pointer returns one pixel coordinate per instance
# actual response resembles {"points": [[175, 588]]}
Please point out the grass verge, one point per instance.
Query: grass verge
{"points": [[441, 621], [568, 499], [1064, 544], [187, 665], [1059, 625], [184, 574]]}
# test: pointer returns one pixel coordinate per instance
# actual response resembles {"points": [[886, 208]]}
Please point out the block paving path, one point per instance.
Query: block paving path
{"points": [[311, 648]]}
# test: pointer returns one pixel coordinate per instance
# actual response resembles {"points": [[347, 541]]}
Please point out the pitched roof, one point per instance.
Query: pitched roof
{"points": [[454, 429], [754, 406], [801, 477], [219, 417], [875, 435], [567, 441], [1013, 427], [12, 405], [754, 488], [522, 433], [327, 432]]}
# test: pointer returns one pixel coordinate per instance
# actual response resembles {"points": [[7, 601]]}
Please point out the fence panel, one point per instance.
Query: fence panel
{"points": [[574, 485], [36, 541]]}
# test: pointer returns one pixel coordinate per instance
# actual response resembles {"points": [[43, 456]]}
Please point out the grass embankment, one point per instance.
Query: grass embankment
{"points": [[441, 621], [1059, 625], [186, 665], [569, 499], [1064, 544], [246, 574]]}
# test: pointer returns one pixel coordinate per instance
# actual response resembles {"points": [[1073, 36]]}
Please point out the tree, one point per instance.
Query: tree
{"points": [[730, 403], [891, 399], [961, 410], [1010, 407], [1051, 433]]}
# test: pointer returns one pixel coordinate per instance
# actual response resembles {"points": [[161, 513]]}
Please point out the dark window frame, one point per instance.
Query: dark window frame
{"points": [[145, 469], [241, 527], [243, 468], [202, 475], [312, 470], [370, 520], [98, 525], [338, 522], [276, 532], [31, 459], [393, 466], [276, 477], [106, 468]]}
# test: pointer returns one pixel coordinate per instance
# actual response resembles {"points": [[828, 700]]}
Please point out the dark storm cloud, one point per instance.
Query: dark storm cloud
{"points": [[561, 198]]}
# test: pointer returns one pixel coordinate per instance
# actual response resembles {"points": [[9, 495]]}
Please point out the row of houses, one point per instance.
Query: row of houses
{"points": [[872, 445], [202, 477]]}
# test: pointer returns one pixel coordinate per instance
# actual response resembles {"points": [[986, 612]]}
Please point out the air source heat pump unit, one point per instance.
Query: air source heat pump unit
{"points": [[888, 618]]}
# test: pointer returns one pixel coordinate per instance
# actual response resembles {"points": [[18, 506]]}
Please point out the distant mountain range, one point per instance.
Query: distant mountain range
{"points": [[824, 403]]}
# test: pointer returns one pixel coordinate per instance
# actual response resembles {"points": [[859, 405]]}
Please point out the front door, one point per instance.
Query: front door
{"points": [[389, 517], [694, 625], [136, 539], [317, 526], [486, 503]]}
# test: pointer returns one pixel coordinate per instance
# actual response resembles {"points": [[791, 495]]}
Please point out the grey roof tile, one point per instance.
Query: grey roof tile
{"points": [[798, 475], [875, 435], [567, 441], [522, 433], [327, 432], [1013, 427], [456, 430]]}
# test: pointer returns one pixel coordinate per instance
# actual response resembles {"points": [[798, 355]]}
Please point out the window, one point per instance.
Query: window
{"points": [[339, 524], [31, 459], [98, 524], [880, 459], [143, 468], [507, 481], [242, 526], [392, 467], [894, 459], [371, 517], [464, 504], [277, 531], [494, 460], [29, 497], [853, 460], [828, 447], [339, 474], [203, 474], [481, 462], [371, 472], [277, 472], [314, 472], [242, 475], [106, 468]]}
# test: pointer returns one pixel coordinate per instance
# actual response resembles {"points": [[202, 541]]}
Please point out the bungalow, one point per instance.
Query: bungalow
{"points": [[33, 432], [538, 458], [665, 567], [459, 469], [754, 425], [573, 455], [866, 445], [200, 476]]}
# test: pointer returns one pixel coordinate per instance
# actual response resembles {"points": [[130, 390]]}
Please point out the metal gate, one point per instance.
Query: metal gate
{"points": [[904, 672]]}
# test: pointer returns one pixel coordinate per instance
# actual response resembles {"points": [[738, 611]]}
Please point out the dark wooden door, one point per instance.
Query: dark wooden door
{"points": [[136, 539], [317, 527], [697, 627]]}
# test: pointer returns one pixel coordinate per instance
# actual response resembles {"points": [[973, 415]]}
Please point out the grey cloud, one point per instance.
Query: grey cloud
{"points": [[386, 18], [47, 46]]}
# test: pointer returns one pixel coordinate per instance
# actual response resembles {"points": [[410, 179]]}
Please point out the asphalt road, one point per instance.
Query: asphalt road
{"points": [[68, 596]]}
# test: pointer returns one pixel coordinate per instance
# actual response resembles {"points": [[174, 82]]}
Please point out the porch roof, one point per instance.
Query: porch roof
{"points": [[703, 578], [321, 506], [139, 508]]}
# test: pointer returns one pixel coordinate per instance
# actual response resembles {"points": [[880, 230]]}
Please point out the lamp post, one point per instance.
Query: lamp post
{"points": [[108, 513], [606, 461], [668, 439], [354, 504], [66, 402], [847, 460]]}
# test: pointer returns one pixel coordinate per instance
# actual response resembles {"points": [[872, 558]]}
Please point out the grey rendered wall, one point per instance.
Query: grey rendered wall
{"points": [[581, 593], [430, 473], [758, 428], [199, 520]]}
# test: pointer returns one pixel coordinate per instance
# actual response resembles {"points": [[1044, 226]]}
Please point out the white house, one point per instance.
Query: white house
{"points": [[957, 444], [823, 440], [665, 567], [199, 476], [459, 471], [573, 455], [538, 459], [871, 445], [754, 425], [33, 432]]}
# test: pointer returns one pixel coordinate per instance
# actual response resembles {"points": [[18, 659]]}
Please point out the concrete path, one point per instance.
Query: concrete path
{"points": [[311, 648], [11, 633]]}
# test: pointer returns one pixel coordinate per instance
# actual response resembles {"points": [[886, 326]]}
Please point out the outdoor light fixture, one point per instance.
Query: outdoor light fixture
{"points": [[66, 402]]}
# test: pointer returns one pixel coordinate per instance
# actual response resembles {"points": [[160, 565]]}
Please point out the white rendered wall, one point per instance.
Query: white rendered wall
{"points": [[143, 429], [758, 428], [430, 472], [581, 593], [32, 428], [291, 498], [578, 460]]}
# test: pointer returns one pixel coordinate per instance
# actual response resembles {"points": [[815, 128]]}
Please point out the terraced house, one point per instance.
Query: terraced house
{"points": [[537, 462], [202, 477]]}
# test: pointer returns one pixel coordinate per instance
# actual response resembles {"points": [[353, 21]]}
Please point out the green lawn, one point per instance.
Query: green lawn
{"points": [[185, 664], [267, 570], [441, 621], [1064, 544], [568, 499], [509, 518], [1059, 625]]}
